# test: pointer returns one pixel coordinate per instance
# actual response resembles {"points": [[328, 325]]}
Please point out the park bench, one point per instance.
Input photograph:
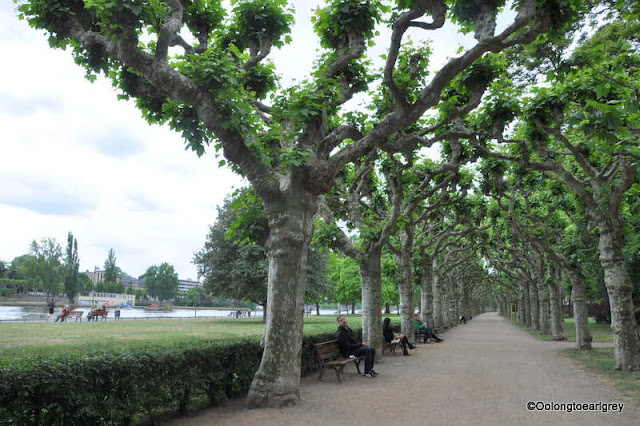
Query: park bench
{"points": [[74, 314], [423, 337], [95, 313], [329, 356], [390, 346]]}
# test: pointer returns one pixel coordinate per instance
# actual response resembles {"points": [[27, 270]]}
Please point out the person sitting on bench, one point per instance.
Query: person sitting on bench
{"points": [[390, 335], [349, 346], [423, 328]]}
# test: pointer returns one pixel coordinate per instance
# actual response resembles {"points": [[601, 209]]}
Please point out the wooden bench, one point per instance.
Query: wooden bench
{"points": [[423, 337], [390, 346], [419, 337], [329, 356], [95, 313], [75, 314]]}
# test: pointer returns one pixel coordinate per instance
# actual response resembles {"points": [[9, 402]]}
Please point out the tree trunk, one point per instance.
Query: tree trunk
{"points": [[353, 308], [454, 303], [317, 308], [535, 308], [522, 307], [555, 307], [580, 315], [438, 295], [619, 288], [527, 304], [277, 381], [370, 273], [264, 312], [404, 257], [543, 302], [426, 290], [464, 301]]}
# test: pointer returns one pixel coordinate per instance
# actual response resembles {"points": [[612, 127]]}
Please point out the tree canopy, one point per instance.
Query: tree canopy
{"points": [[203, 69]]}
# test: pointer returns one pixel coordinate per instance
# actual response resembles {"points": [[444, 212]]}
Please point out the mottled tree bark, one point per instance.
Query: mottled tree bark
{"points": [[619, 288], [555, 307], [437, 292], [277, 380], [535, 308], [543, 301], [404, 257], [370, 273], [527, 304], [580, 315], [426, 287]]}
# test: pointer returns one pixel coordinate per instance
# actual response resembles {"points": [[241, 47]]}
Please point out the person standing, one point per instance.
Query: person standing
{"points": [[51, 304], [350, 346]]}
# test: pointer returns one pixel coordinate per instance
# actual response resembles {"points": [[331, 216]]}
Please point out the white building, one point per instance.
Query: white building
{"points": [[186, 285], [110, 299]]}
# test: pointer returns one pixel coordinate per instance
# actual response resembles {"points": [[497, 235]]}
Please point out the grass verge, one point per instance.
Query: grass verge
{"points": [[601, 362], [599, 332]]}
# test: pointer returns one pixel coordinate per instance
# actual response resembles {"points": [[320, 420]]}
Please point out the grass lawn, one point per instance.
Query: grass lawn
{"points": [[18, 340], [599, 332], [601, 362]]}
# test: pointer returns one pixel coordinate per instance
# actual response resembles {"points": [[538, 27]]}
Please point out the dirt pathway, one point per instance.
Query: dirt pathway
{"points": [[484, 373]]}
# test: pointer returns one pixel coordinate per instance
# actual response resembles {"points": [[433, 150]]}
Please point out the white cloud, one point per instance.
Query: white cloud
{"points": [[74, 158]]}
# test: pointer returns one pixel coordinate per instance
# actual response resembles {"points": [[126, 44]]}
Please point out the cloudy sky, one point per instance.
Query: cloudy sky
{"points": [[74, 158]]}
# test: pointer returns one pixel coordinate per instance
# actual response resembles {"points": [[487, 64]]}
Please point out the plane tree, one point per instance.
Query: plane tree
{"points": [[543, 213], [420, 188], [233, 261], [582, 130], [206, 74], [555, 225]]}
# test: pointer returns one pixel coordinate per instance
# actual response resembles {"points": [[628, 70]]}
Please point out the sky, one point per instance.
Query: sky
{"points": [[75, 159]]}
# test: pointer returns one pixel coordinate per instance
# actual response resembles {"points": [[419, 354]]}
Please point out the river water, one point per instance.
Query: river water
{"points": [[41, 313]]}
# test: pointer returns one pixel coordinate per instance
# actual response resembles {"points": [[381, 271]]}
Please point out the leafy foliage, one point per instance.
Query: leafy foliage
{"points": [[161, 281], [233, 261]]}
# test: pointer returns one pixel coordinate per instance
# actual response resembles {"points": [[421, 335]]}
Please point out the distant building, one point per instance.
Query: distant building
{"points": [[96, 276], [109, 299], [186, 285], [127, 280]]}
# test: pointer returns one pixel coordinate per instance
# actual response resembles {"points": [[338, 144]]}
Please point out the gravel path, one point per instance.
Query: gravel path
{"points": [[483, 374]]}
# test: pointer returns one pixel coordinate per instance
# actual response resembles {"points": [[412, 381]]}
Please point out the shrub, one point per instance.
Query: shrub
{"points": [[107, 388]]}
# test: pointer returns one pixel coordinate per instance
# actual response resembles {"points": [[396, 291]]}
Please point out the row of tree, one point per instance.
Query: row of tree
{"points": [[46, 269], [517, 99]]}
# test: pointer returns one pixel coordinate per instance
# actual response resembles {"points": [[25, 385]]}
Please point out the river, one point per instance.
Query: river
{"points": [[40, 313]]}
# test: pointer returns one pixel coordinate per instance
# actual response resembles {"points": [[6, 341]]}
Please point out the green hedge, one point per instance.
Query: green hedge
{"points": [[131, 387]]}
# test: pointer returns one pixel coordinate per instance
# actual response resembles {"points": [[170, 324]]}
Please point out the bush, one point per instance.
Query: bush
{"points": [[120, 388], [6, 292], [131, 387]]}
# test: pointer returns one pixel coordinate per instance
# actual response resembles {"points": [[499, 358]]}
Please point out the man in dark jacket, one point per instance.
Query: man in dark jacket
{"points": [[350, 346]]}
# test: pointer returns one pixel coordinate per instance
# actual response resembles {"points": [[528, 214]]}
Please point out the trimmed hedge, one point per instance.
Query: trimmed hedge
{"points": [[131, 387]]}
